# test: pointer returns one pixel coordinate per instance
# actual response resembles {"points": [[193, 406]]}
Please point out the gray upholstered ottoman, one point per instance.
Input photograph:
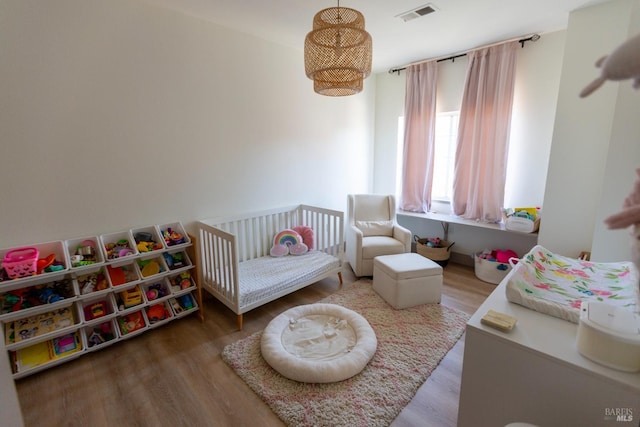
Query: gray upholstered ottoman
{"points": [[406, 280]]}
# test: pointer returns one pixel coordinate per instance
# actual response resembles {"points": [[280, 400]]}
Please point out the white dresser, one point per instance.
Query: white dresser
{"points": [[535, 374]]}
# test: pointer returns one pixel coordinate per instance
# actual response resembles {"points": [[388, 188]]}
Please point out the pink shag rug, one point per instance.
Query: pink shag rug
{"points": [[411, 344]]}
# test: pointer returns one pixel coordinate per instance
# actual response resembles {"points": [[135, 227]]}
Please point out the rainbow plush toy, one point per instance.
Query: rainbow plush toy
{"points": [[288, 242]]}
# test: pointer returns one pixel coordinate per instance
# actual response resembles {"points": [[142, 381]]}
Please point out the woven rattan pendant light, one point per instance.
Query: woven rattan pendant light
{"points": [[337, 52]]}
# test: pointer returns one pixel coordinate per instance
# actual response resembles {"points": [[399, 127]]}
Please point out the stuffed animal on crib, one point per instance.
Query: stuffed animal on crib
{"points": [[288, 242], [623, 63]]}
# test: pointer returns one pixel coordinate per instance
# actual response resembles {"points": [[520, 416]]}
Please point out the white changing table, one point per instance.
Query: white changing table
{"points": [[535, 374]]}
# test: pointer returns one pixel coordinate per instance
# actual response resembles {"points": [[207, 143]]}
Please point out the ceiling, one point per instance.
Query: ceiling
{"points": [[456, 26]]}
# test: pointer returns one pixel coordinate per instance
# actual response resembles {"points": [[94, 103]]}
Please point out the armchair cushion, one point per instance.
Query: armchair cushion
{"points": [[375, 228]]}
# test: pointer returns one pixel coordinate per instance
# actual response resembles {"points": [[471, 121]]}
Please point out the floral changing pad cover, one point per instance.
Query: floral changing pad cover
{"points": [[557, 285]]}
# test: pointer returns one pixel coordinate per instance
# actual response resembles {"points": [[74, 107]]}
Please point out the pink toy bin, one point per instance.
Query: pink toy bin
{"points": [[177, 227], [55, 248]]}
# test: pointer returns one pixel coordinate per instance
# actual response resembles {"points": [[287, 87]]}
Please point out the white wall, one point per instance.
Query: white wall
{"points": [[117, 114], [594, 151], [622, 160]]}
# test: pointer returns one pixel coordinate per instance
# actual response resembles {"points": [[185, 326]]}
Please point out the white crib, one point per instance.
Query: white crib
{"points": [[233, 258]]}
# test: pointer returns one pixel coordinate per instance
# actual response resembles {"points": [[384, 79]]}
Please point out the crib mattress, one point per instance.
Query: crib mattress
{"points": [[557, 285], [265, 276]]}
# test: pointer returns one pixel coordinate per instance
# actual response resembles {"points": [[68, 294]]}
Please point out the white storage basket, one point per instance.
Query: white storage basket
{"points": [[490, 271]]}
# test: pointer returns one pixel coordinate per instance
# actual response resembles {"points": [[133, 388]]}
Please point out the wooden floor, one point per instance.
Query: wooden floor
{"points": [[174, 375]]}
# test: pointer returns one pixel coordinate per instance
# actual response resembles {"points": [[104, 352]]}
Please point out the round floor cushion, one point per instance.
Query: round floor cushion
{"points": [[318, 343]]}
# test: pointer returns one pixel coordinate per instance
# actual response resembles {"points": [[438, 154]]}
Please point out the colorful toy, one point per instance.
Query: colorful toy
{"points": [[131, 297], [95, 310], [119, 249], [156, 291], [21, 262], [172, 237], [157, 313], [186, 302], [287, 242], [174, 261]]}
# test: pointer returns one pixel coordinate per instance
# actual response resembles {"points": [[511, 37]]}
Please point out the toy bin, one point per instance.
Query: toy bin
{"points": [[158, 314], [439, 253], [147, 239], [44, 293], [129, 299], [93, 281], [183, 304], [490, 270], [40, 325], [84, 253], [100, 335], [150, 267], [116, 246], [177, 260], [18, 263], [173, 235], [181, 282], [132, 323], [97, 309], [123, 275], [156, 290]]}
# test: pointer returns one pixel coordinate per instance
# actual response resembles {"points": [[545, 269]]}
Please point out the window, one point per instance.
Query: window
{"points": [[444, 157], [445, 154]]}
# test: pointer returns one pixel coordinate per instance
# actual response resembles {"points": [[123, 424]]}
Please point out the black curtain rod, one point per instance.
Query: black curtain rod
{"points": [[533, 38]]}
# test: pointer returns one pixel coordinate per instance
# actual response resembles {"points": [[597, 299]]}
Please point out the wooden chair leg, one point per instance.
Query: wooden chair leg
{"points": [[340, 277], [239, 321]]}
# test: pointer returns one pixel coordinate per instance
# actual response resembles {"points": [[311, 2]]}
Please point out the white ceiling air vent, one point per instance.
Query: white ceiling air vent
{"points": [[417, 12]]}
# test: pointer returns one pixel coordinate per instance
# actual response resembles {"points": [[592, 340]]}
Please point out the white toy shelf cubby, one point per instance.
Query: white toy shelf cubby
{"points": [[91, 292]]}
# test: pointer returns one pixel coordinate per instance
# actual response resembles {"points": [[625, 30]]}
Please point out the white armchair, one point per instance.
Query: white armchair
{"points": [[372, 231]]}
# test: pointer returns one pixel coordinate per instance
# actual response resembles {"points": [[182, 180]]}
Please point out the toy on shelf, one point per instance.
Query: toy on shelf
{"points": [[95, 310], [85, 254], [145, 242], [121, 275], [172, 237], [21, 262], [157, 312], [181, 281], [175, 261], [155, 291], [100, 334], [131, 322], [119, 249], [33, 296], [93, 282], [150, 267], [130, 298]]}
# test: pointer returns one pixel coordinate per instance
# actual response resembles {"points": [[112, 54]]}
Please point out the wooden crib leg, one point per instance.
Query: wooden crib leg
{"points": [[239, 321], [340, 277]]}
